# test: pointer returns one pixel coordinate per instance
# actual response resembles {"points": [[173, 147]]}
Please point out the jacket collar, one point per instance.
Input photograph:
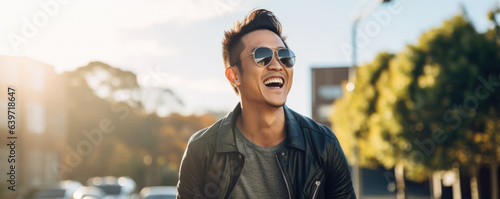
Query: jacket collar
{"points": [[226, 141]]}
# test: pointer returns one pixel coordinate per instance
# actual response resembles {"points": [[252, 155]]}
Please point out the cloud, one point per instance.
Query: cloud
{"points": [[147, 48], [129, 14], [135, 14], [75, 44], [81, 31]]}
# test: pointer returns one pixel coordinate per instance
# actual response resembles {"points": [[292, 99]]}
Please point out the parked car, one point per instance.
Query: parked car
{"points": [[114, 187], [158, 192], [89, 192], [60, 190]]}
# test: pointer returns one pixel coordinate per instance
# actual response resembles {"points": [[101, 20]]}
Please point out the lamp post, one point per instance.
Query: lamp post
{"points": [[350, 86], [357, 18]]}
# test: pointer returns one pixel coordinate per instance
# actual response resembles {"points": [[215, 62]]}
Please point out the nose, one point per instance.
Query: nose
{"points": [[275, 63]]}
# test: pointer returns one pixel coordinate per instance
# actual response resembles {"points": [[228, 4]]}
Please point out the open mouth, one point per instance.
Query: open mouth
{"points": [[274, 82]]}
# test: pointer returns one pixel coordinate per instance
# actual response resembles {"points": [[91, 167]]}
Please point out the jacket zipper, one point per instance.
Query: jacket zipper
{"points": [[284, 177], [316, 189]]}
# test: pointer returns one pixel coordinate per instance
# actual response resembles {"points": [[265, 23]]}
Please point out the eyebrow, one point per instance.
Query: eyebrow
{"points": [[279, 47]]}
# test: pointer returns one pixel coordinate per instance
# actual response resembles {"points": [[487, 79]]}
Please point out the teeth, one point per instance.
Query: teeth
{"points": [[274, 80]]}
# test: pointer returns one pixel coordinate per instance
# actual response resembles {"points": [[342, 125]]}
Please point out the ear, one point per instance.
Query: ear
{"points": [[233, 76]]}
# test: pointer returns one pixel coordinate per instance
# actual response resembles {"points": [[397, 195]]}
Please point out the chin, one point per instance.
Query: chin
{"points": [[276, 104]]}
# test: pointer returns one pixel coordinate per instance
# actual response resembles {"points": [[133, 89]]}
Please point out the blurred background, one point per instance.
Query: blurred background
{"points": [[109, 92]]}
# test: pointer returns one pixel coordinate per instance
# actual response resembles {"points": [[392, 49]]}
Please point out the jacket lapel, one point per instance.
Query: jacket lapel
{"points": [[294, 136], [225, 137], [226, 141]]}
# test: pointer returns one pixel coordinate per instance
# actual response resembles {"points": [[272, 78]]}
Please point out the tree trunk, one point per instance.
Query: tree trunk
{"points": [[457, 192], [400, 181], [437, 192], [356, 173], [494, 165], [473, 183], [494, 178]]}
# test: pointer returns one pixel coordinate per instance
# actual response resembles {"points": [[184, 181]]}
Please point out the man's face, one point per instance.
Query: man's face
{"points": [[255, 80]]}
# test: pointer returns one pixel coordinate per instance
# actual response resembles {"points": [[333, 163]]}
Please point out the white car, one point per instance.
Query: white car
{"points": [[89, 192], [114, 187], [158, 192], [59, 190]]}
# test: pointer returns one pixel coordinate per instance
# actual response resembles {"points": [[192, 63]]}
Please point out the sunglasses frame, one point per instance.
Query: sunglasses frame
{"points": [[273, 56]]}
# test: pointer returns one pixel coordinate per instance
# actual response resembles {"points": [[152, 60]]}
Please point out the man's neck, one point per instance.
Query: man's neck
{"points": [[264, 126]]}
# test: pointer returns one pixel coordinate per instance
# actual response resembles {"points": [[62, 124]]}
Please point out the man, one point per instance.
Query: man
{"points": [[262, 149]]}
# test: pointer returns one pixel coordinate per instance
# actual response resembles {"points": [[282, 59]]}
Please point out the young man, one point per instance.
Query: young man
{"points": [[263, 149]]}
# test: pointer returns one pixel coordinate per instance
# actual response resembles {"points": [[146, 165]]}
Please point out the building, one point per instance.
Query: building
{"points": [[40, 122], [326, 87]]}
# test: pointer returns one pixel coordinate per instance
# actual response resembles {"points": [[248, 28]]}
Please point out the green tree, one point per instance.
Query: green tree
{"points": [[446, 99], [141, 144], [365, 118], [420, 108]]}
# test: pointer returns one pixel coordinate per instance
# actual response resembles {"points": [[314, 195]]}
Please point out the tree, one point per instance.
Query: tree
{"points": [[135, 142], [448, 64], [421, 108], [365, 117]]}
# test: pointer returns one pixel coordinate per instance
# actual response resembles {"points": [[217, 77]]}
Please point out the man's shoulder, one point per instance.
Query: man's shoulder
{"points": [[312, 126], [205, 133]]}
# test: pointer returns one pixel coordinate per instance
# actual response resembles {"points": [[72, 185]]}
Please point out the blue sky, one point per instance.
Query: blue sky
{"points": [[177, 43]]}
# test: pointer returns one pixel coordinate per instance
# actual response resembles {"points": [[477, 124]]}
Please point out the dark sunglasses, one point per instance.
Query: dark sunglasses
{"points": [[264, 55]]}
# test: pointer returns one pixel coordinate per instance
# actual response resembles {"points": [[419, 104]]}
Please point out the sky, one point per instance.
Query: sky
{"points": [[176, 44]]}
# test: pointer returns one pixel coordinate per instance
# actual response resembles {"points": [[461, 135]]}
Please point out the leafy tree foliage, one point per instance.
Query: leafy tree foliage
{"points": [[138, 144], [432, 106]]}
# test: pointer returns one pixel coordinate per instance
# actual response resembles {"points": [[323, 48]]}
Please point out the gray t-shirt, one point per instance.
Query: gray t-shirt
{"points": [[261, 176]]}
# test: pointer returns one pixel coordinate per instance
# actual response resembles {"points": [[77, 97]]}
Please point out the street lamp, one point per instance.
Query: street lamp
{"points": [[357, 18], [350, 86]]}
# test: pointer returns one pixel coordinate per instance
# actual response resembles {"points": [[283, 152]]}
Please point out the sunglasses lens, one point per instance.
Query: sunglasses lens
{"points": [[286, 57], [263, 56]]}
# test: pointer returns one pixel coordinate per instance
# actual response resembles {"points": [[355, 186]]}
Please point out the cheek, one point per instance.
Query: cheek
{"points": [[250, 81], [290, 76]]}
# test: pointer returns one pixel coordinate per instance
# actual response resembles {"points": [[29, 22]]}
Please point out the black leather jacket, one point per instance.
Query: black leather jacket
{"points": [[312, 163]]}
